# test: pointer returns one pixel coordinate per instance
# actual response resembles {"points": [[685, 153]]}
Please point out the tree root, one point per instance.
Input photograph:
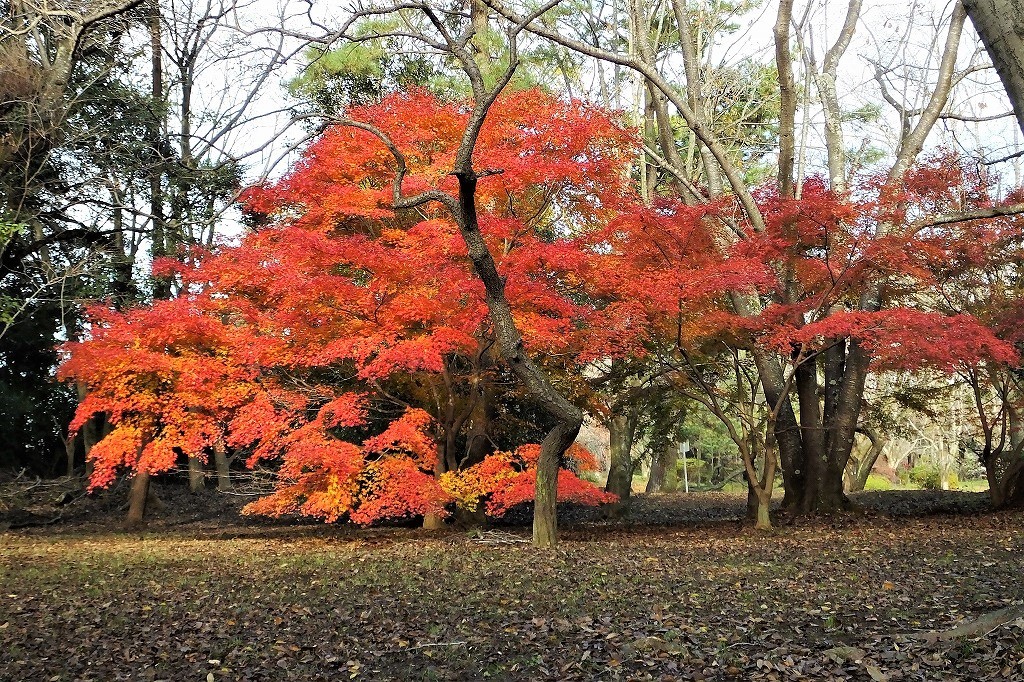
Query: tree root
{"points": [[976, 628]]}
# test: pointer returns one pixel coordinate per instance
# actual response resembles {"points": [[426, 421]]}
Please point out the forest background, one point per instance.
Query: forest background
{"points": [[784, 236]]}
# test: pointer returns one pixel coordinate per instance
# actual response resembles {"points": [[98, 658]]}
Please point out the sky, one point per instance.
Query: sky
{"points": [[898, 36]]}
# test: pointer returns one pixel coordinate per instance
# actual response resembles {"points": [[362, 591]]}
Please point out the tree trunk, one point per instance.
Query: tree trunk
{"points": [[91, 434], [663, 470], [1013, 477], [138, 501], [787, 430], [567, 417], [545, 518], [69, 449], [223, 466], [159, 237], [751, 499], [196, 474], [1013, 487], [1004, 470], [995, 488], [1000, 23], [434, 521], [686, 472], [867, 462], [621, 430], [841, 432], [812, 434], [762, 516], [478, 441], [787, 97], [656, 477], [671, 483]]}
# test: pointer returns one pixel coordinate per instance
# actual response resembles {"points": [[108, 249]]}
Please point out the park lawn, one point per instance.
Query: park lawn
{"points": [[835, 599]]}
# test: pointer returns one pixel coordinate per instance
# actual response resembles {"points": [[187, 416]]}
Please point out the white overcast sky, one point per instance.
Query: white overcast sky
{"points": [[903, 35]]}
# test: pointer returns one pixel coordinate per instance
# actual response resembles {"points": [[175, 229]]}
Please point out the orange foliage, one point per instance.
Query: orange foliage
{"points": [[506, 479], [667, 272], [334, 282]]}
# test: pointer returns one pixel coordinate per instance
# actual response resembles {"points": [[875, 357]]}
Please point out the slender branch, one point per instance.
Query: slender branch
{"points": [[694, 121], [965, 216], [398, 199]]}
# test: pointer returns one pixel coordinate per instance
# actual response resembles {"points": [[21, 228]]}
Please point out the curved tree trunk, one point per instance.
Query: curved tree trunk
{"points": [[545, 517], [567, 417], [1000, 23], [867, 462]]}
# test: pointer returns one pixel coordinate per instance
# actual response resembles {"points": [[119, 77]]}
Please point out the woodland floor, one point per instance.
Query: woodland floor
{"points": [[678, 591]]}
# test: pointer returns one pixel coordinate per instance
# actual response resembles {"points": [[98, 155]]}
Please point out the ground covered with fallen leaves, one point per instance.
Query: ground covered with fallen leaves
{"points": [[679, 590]]}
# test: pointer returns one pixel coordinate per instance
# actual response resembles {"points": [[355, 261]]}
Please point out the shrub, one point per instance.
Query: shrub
{"points": [[926, 476], [929, 477], [877, 482]]}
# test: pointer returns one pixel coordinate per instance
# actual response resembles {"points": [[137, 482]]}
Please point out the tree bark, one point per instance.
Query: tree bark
{"points": [[196, 475], [568, 417], [1012, 483], [1000, 23], [788, 435], [759, 488], [222, 464], [656, 477], [621, 431], [69, 450], [762, 518], [161, 285], [138, 501], [91, 434], [812, 435], [867, 462], [1004, 470], [1013, 486], [842, 431], [434, 521], [835, 145], [663, 470], [787, 98]]}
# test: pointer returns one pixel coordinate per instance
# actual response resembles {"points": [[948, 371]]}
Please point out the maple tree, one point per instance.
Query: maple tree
{"points": [[338, 308], [852, 298], [812, 381], [980, 278], [678, 293]]}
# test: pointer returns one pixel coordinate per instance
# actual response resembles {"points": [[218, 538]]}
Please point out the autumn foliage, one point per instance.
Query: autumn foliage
{"points": [[835, 249], [670, 272], [348, 343], [290, 346]]}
